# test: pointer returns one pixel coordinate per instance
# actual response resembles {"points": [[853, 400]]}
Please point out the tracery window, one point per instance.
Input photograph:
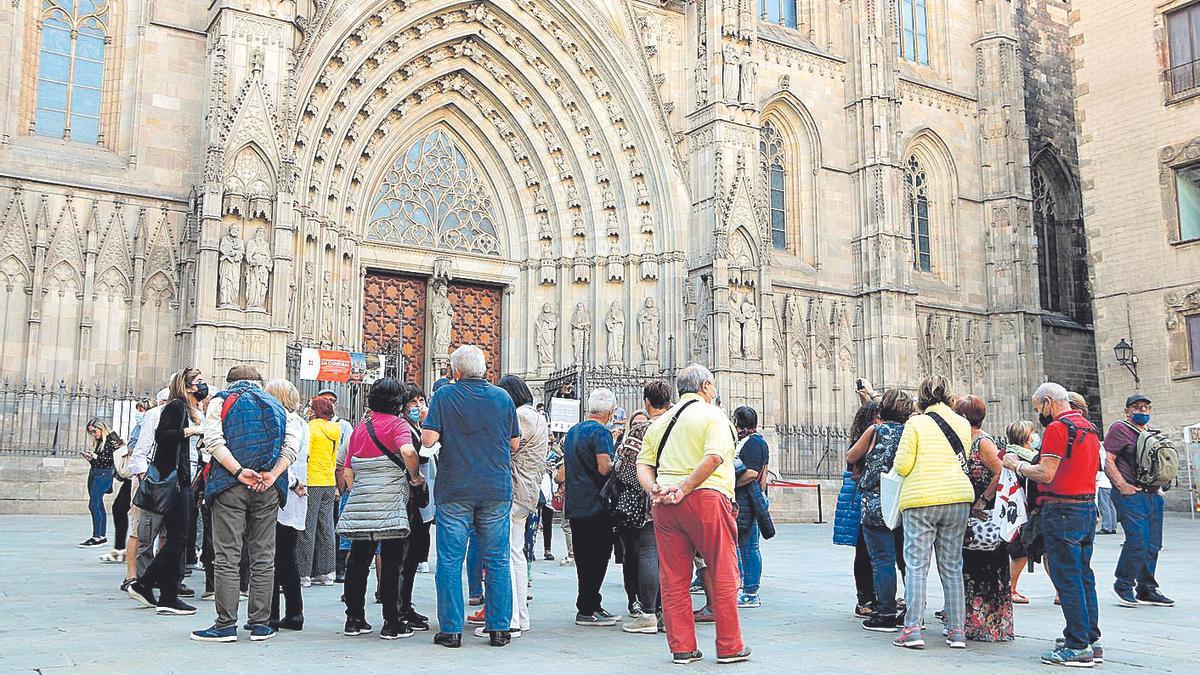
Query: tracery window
{"points": [[773, 156], [1045, 231], [782, 12], [916, 187], [914, 31], [433, 197], [73, 37]]}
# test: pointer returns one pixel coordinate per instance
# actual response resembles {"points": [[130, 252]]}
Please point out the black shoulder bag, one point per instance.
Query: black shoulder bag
{"points": [[417, 494], [955, 441]]}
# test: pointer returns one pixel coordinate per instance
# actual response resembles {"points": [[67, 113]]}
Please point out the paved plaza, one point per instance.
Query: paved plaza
{"points": [[60, 611]]}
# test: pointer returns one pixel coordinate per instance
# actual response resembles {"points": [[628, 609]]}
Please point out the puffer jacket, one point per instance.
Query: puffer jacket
{"points": [[753, 507], [378, 505], [849, 512], [933, 474]]}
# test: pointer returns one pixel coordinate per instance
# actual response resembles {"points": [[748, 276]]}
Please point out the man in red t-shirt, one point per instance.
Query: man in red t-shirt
{"points": [[1066, 472]]}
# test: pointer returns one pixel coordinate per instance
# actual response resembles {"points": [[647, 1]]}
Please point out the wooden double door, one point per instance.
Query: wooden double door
{"points": [[396, 307]]}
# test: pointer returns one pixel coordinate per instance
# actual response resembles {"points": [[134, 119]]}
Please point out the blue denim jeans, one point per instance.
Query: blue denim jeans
{"points": [[474, 566], [99, 483], [455, 520], [1141, 516], [343, 543], [881, 544], [1108, 511], [750, 561], [1069, 530]]}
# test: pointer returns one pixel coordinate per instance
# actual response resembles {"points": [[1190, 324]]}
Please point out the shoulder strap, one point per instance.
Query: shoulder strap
{"points": [[662, 444], [228, 404], [383, 448], [955, 441], [1073, 432]]}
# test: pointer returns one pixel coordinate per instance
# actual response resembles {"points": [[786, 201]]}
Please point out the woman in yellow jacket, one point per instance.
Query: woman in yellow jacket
{"points": [[316, 547], [935, 501]]}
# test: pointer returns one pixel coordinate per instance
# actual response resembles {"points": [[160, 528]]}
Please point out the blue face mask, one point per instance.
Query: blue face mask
{"points": [[1141, 419], [1035, 442], [414, 415]]}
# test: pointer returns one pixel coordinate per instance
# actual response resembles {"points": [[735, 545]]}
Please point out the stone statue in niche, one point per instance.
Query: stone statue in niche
{"points": [[327, 307], [614, 323], [548, 271], [616, 267], [749, 71], [443, 317], [751, 335], [737, 325], [649, 266], [258, 269], [229, 271], [309, 288], [347, 312], [546, 329], [581, 271], [581, 328], [730, 74], [701, 75], [648, 324]]}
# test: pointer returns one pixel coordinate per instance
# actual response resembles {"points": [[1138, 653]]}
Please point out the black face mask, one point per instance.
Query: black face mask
{"points": [[1045, 419], [201, 391]]}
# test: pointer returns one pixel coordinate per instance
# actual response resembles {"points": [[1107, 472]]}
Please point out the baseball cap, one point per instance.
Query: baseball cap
{"points": [[1136, 398], [327, 391]]}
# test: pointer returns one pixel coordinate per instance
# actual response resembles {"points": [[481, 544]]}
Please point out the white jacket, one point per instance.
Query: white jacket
{"points": [[294, 514], [143, 452]]}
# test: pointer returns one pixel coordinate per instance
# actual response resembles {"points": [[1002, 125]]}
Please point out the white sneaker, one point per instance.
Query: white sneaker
{"points": [[423, 568], [567, 562], [305, 582], [481, 633], [323, 580]]}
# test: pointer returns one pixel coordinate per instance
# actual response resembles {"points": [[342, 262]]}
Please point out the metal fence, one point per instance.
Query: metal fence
{"points": [[810, 451], [49, 419], [352, 396], [626, 383]]}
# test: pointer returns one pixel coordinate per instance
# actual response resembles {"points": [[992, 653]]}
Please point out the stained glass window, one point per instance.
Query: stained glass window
{"points": [[433, 197], [916, 185], [914, 31], [70, 79], [771, 151], [782, 12]]}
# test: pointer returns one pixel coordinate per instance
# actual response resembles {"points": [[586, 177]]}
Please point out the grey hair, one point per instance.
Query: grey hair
{"points": [[468, 360], [692, 378], [601, 402], [1051, 391]]}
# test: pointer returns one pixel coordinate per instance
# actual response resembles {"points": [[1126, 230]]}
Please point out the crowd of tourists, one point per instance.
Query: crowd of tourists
{"points": [[951, 475], [269, 495]]}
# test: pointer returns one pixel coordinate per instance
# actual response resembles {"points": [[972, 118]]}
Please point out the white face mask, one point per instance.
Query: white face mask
{"points": [[1035, 441]]}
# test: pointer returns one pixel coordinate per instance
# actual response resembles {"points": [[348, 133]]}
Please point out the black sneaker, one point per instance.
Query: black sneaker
{"points": [[450, 640], [92, 542], [415, 621], [291, 623], [142, 594], [395, 630], [186, 591], [880, 623], [547, 556], [684, 658], [1126, 598], [500, 638], [593, 620], [864, 609], [743, 655], [177, 608], [605, 614], [1153, 597], [356, 627]]}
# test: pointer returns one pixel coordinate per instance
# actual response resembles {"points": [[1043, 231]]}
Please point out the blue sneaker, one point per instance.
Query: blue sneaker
{"points": [[260, 632], [216, 634], [749, 601], [1071, 658]]}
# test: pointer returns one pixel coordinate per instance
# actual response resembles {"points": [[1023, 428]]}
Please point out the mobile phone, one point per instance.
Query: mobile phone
{"points": [[858, 385]]}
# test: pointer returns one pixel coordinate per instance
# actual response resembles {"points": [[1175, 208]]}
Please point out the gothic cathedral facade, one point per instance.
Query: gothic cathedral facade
{"points": [[796, 193]]}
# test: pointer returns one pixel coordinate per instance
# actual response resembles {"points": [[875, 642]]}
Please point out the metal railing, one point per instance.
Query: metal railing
{"points": [[49, 419], [809, 451], [1184, 79], [352, 396]]}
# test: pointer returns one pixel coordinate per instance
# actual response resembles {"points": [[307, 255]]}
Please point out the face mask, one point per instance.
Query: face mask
{"points": [[414, 415], [137, 417], [1035, 442], [201, 391], [1141, 419], [1045, 419]]}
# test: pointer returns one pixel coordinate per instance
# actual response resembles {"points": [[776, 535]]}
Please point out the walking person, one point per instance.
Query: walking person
{"points": [[100, 478], [1066, 475], [528, 460], [477, 426], [989, 608], [177, 423], [935, 501], [1139, 509], [588, 454], [292, 516], [245, 430], [752, 450], [316, 553], [420, 517], [686, 465], [876, 449], [381, 467]]}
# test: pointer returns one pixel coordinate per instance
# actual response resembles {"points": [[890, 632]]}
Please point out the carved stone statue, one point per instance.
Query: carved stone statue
{"points": [[751, 335], [616, 267], [258, 269], [701, 75], [580, 270], [648, 324], [581, 328], [327, 306], [309, 289], [347, 312], [615, 324], [730, 74], [229, 271], [548, 270], [736, 325], [546, 329], [443, 317], [649, 261], [748, 74]]}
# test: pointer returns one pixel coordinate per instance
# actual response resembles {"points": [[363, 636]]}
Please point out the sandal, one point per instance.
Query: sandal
{"points": [[1019, 599], [113, 557]]}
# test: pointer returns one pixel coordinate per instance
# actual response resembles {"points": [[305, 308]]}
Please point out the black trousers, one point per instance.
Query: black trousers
{"points": [[391, 556], [166, 569], [640, 569], [417, 553], [593, 547], [547, 526], [287, 575], [864, 580], [120, 514]]}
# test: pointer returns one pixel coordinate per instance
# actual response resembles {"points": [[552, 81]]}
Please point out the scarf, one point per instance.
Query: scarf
{"points": [[742, 433]]}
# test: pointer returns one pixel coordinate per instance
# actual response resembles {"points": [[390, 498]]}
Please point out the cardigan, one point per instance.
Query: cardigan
{"points": [[932, 473]]}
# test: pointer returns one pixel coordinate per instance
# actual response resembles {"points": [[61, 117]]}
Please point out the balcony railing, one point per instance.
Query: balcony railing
{"points": [[1184, 79]]}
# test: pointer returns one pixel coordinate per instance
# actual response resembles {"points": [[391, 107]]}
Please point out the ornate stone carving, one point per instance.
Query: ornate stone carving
{"points": [[581, 330], [347, 313], [442, 317], [327, 306], [751, 333], [648, 327], [614, 323], [229, 269], [616, 267], [730, 74], [649, 261], [546, 330], [581, 269], [548, 269], [258, 269]]}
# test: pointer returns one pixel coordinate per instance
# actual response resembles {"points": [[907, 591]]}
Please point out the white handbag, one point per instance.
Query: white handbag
{"points": [[889, 497]]}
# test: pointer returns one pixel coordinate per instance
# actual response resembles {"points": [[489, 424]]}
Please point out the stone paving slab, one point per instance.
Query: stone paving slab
{"points": [[62, 612]]}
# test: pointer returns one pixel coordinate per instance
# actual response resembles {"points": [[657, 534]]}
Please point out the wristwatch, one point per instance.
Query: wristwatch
{"points": [[239, 472]]}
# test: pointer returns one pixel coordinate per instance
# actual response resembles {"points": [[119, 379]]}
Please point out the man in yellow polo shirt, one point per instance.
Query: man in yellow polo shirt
{"points": [[686, 465]]}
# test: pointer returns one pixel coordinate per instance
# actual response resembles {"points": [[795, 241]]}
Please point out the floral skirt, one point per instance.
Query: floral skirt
{"points": [[989, 596]]}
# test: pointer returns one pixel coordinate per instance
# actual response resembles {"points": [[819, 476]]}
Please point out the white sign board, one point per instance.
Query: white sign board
{"points": [[564, 414]]}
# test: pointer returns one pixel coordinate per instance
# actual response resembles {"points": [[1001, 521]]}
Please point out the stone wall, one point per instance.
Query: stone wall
{"points": [[1070, 357], [46, 485]]}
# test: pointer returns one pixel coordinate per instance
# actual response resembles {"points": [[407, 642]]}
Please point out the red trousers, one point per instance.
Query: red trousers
{"points": [[702, 523]]}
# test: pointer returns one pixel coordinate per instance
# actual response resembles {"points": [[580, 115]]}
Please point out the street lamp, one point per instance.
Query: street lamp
{"points": [[1125, 356]]}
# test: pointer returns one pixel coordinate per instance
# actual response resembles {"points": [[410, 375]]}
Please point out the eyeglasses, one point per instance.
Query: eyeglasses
{"points": [[1141, 406]]}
